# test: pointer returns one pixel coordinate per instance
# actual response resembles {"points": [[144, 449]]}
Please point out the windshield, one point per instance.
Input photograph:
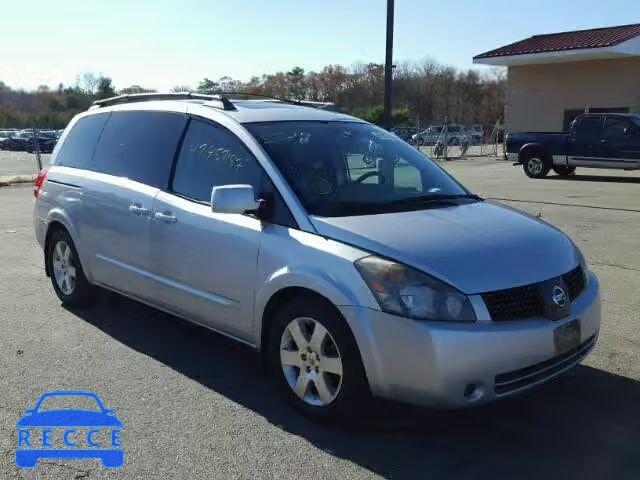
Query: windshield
{"points": [[341, 168]]}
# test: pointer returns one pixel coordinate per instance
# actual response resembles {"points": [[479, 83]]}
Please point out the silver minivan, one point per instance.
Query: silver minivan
{"points": [[262, 221]]}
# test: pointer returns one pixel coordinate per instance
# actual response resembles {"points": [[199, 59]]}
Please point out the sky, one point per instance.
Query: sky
{"points": [[160, 44]]}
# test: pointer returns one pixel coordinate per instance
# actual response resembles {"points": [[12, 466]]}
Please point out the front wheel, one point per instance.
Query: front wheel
{"points": [[535, 166], [315, 360], [564, 171]]}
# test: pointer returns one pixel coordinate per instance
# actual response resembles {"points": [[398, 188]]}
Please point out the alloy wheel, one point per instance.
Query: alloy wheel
{"points": [[534, 165], [311, 361], [63, 270]]}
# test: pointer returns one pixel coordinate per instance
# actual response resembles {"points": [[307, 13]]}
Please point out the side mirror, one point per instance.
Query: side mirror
{"points": [[233, 199]]}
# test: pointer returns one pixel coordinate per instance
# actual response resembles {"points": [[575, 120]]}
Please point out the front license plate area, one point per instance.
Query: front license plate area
{"points": [[567, 337]]}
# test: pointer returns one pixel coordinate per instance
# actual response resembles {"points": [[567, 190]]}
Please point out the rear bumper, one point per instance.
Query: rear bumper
{"points": [[435, 363], [512, 157], [39, 228]]}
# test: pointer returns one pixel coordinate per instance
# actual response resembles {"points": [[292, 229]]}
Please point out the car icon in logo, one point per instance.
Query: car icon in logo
{"points": [[98, 423], [559, 296]]}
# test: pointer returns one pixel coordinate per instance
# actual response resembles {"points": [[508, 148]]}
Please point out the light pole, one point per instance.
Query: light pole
{"points": [[388, 68]]}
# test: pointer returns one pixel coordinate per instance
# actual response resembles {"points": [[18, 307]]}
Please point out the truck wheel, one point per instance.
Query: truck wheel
{"points": [[564, 171], [536, 166]]}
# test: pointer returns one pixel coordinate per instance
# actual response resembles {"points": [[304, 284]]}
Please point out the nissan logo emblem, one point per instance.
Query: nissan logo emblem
{"points": [[559, 296]]}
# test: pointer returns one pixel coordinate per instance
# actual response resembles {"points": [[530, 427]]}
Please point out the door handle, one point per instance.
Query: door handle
{"points": [[166, 217], [138, 210]]}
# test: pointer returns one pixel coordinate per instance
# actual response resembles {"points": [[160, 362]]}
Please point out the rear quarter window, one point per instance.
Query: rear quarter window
{"points": [[140, 146], [80, 144]]}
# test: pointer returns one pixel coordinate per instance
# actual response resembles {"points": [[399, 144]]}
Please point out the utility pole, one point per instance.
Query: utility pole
{"points": [[388, 68]]}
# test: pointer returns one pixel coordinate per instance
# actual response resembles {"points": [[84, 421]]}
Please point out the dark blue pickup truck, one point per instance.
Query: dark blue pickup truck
{"points": [[600, 140]]}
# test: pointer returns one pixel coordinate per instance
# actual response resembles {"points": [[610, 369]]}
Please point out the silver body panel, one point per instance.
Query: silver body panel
{"points": [[477, 247], [220, 270]]}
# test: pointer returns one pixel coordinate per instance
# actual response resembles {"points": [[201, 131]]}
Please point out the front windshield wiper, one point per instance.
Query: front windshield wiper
{"points": [[435, 198]]}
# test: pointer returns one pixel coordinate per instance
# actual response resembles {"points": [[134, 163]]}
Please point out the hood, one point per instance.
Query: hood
{"points": [[69, 418], [476, 247]]}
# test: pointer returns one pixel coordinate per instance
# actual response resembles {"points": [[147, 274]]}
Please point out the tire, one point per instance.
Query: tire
{"points": [[536, 165], [67, 277], [454, 141], [564, 171], [328, 396]]}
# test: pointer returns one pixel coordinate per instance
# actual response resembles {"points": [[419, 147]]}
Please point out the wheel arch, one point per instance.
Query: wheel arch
{"points": [[278, 299], [58, 220], [538, 148]]}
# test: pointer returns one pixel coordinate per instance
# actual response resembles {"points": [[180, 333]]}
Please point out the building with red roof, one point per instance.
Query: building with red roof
{"points": [[554, 77]]}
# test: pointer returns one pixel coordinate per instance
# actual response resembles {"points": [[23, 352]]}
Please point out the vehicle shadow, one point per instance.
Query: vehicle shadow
{"points": [[585, 425], [594, 178]]}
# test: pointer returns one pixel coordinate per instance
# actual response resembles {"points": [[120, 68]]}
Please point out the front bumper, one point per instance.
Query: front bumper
{"points": [[449, 365]]}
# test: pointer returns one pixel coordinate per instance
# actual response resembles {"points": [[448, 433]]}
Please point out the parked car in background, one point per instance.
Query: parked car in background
{"points": [[476, 133], [404, 133], [456, 135], [258, 220], [4, 139], [19, 140], [597, 140], [46, 141]]}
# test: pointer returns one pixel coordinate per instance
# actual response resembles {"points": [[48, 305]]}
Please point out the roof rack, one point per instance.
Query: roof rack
{"points": [[306, 103], [148, 97]]}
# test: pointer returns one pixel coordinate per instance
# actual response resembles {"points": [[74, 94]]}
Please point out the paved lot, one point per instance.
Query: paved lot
{"points": [[195, 405], [20, 163]]}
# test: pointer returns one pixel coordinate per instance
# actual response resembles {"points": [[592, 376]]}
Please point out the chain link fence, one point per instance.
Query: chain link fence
{"points": [[24, 152], [451, 142]]}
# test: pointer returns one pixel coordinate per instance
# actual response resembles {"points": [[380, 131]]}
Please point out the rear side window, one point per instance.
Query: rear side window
{"points": [[80, 144], [590, 128], [140, 146]]}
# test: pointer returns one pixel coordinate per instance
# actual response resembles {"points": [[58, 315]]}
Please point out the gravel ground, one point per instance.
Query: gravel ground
{"points": [[195, 405]]}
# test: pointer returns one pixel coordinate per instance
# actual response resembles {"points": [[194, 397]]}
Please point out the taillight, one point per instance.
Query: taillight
{"points": [[42, 176]]}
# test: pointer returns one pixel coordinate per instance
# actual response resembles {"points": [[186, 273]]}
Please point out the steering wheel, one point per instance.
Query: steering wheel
{"points": [[375, 173]]}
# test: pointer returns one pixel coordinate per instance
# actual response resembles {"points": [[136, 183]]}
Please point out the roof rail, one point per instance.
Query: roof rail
{"points": [[306, 103], [148, 97]]}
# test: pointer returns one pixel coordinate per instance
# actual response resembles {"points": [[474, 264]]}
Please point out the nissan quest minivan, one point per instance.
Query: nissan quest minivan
{"points": [[261, 220]]}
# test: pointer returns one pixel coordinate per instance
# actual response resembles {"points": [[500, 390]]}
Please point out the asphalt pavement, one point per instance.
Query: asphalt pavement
{"points": [[196, 405]]}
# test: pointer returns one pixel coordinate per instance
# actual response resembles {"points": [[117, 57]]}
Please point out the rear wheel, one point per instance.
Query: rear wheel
{"points": [[536, 165], [564, 171], [315, 360], [67, 277]]}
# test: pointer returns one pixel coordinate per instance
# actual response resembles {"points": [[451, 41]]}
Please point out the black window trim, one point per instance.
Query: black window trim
{"points": [[176, 157], [58, 160], [109, 114]]}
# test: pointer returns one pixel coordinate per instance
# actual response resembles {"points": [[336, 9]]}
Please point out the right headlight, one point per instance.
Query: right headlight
{"points": [[403, 291]]}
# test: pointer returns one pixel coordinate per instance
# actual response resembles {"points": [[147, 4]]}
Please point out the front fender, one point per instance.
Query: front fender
{"points": [[339, 291]]}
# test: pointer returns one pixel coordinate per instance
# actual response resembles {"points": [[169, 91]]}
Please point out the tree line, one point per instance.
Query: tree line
{"points": [[423, 93]]}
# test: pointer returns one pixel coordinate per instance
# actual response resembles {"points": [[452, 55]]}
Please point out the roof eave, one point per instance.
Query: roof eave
{"points": [[630, 48]]}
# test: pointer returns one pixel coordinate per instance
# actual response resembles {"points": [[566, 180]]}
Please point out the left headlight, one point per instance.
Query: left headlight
{"points": [[403, 291], [584, 267]]}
